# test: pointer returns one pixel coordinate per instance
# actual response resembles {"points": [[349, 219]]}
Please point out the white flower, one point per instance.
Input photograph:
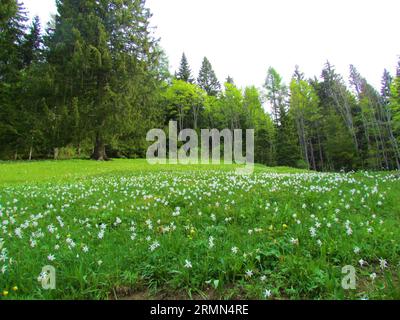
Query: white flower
{"points": [[211, 242], [294, 241], [234, 250], [249, 273], [313, 232], [3, 269], [357, 250], [383, 263], [267, 294], [51, 257], [85, 249], [373, 276], [263, 278], [188, 264], [362, 262], [154, 246], [100, 262], [42, 276]]}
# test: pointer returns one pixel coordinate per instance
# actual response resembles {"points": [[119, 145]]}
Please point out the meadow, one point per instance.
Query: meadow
{"points": [[127, 230]]}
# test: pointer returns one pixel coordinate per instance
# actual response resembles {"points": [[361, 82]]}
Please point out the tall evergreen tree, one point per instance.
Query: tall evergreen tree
{"points": [[105, 63], [184, 73], [207, 79], [12, 32]]}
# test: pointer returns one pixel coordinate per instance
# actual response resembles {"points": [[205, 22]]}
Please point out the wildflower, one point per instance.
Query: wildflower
{"points": [[294, 241], [357, 250], [85, 249], [100, 262], [42, 276], [5, 293], [15, 288], [154, 246], [234, 250], [51, 257], [373, 276], [267, 294], [188, 264], [313, 232], [361, 262], [249, 273], [383, 263], [263, 278], [211, 242]]}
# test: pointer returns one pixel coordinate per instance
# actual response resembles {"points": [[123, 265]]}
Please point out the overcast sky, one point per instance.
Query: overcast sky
{"points": [[242, 38]]}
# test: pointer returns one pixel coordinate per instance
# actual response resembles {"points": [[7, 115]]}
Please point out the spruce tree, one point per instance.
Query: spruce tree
{"points": [[12, 32], [230, 80], [184, 73], [207, 79], [106, 65]]}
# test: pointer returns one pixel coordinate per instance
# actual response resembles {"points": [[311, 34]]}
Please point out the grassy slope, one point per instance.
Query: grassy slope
{"points": [[268, 202]]}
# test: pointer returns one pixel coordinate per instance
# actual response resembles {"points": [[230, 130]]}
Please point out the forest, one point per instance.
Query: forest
{"points": [[92, 82]]}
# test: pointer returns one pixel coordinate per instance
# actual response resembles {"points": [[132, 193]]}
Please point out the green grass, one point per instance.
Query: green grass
{"points": [[233, 237], [41, 171]]}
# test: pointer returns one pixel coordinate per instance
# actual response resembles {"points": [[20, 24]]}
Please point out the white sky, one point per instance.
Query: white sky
{"points": [[243, 38]]}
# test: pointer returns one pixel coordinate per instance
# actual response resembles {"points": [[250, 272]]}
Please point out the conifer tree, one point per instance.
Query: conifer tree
{"points": [[106, 64], [184, 73], [207, 79]]}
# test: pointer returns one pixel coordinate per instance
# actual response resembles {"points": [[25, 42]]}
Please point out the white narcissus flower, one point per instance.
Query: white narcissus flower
{"points": [[249, 273], [267, 293], [188, 264], [383, 263]]}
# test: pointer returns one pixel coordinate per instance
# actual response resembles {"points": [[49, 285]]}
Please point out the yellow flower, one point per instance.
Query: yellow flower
{"points": [[271, 227], [285, 226], [15, 288], [5, 293]]}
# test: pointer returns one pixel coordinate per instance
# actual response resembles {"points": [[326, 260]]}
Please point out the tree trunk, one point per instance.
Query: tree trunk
{"points": [[56, 153], [99, 152], [30, 153]]}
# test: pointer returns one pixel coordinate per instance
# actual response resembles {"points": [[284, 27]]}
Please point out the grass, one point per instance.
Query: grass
{"points": [[124, 229]]}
